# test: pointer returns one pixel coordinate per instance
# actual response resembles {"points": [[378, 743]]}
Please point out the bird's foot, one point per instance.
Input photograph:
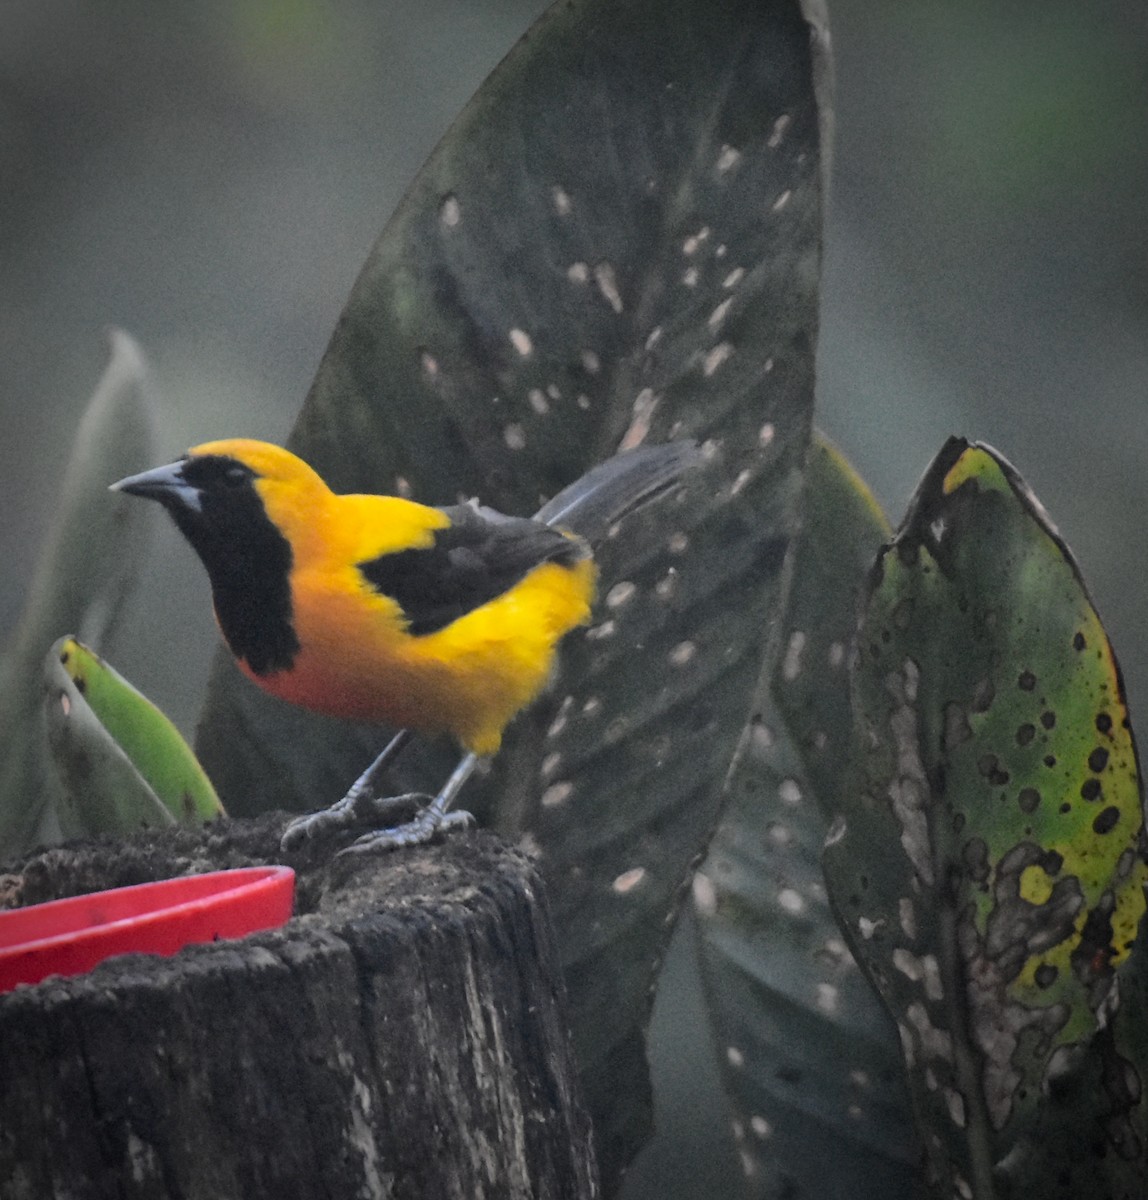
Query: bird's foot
{"points": [[355, 810], [423, 828]]}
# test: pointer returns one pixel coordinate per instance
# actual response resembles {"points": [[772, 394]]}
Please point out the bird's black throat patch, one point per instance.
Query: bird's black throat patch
{"points": [[248, 562]]}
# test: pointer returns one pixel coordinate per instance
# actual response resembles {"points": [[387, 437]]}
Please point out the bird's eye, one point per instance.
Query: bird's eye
{"points": [[236, 476]]}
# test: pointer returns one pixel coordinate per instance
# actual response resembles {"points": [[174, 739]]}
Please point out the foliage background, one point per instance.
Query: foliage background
{"points": [[210, 177]]}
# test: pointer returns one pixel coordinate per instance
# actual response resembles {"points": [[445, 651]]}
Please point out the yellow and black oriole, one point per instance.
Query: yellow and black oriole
{"points": [[377, 608]]}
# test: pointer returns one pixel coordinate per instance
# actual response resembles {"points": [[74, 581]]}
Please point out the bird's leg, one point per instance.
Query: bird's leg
{"points": [[364, 791], [434, 818], [360, 806]]}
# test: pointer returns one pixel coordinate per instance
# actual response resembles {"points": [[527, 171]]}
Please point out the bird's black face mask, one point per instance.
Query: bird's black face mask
{"points": [[215, 505]]}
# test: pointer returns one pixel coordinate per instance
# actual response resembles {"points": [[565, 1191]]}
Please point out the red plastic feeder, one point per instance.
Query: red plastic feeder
{"points": [[68, 937]]}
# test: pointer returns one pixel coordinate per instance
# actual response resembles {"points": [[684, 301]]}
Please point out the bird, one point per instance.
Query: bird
{"points": [[378, 608]]}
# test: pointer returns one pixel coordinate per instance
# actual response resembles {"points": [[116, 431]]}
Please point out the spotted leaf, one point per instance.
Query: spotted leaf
{"points": [[988, 863], [617, 241], [809, 1056]]}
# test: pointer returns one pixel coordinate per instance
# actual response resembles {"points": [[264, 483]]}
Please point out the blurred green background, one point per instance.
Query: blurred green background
{"points": [[211, 176]]}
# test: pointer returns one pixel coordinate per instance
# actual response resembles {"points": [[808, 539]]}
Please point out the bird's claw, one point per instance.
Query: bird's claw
{"points": [[354, 810], [417, 832]]}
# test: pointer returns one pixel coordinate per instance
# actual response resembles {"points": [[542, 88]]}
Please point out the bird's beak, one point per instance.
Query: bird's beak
{"points": [[165, 484]]}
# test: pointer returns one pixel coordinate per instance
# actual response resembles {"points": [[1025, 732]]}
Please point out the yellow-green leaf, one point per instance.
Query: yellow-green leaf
{"points": [[122, 762], [988, 865]]}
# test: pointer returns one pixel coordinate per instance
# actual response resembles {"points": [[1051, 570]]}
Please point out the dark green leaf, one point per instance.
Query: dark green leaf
{"points": [[809, 1056], [988, 867], [617, 241]]}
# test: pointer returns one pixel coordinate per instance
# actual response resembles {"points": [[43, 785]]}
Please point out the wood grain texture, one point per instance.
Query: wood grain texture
{"points": [[403, 1036]]}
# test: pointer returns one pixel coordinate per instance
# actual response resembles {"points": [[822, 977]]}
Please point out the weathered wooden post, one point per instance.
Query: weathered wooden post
{"points": [[403, 1036]]}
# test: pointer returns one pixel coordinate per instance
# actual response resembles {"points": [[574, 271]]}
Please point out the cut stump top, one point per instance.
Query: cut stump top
{"points": [[403, 1036]]}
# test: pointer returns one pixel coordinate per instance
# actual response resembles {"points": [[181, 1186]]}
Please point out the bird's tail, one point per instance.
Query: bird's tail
{"points": [[616, 487]]}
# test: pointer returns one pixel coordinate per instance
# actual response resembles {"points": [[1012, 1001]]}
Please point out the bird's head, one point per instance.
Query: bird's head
{"points": [[232, 492], [219, 482], [248, 510]]}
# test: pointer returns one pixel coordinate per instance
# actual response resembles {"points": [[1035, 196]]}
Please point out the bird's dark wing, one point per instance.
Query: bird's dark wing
{"points": [[615, 488], [480, 555]]}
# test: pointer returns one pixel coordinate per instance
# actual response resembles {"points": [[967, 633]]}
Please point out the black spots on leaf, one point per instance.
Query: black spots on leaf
{"points": [[975, 856], [1090, 789], [1051, 862], [1106, 820], [1045, 975], [1103, 723], [1050, 761], [1048, 719], [1025, 733], [81, 684], [1078, 642], [984, 696], [1029, 800], [1026, 681], [1098, 760], [958, 822], [990, 767], [1065, 808]]}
